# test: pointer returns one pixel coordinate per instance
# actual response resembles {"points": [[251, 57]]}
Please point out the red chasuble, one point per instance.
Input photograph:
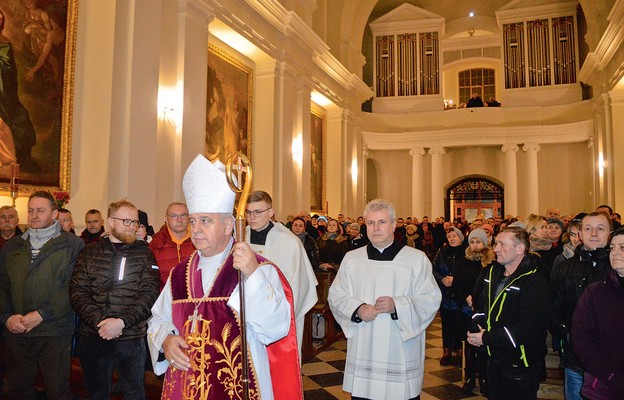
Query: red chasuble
{"points": [[213, 334]]}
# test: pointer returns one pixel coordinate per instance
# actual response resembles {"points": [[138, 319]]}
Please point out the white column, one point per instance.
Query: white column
{"points": [[418, 205], [511, 179], [609, 150], [437, 187], [364, 169], [531, 150]]}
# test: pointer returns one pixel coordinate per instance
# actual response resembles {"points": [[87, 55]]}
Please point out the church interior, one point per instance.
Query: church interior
{"points": [[344, 101], [337, 102]]}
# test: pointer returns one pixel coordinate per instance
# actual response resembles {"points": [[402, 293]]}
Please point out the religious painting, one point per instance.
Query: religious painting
{"points": [[37, 55], [228, 106], [317, 162]]}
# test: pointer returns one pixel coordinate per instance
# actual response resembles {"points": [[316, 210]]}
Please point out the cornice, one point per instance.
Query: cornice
{"points": [[504, 16], [483, 136], [610, 45]]}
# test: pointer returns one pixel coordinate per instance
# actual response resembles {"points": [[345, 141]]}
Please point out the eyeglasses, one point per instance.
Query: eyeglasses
{"points": [[178, 216], [255, 213], [128, 222]]}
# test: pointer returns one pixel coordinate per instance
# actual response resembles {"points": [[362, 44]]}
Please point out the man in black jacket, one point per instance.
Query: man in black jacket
{"points": [[113, 287], [515, 311], [589, 264]]}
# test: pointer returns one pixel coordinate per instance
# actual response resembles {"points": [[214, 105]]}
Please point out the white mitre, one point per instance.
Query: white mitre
{"points": [[206, 188]]}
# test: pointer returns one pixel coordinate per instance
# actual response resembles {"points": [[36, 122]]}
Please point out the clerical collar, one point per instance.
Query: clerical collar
{"points": [[386, 254], [259, 237]]}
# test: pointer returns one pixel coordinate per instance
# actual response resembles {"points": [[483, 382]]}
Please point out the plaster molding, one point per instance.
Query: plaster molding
{"points": [[509, 14], [417, 151], [510, 148], [437, 151], [531, 147], [198, 10], [482, 136]]}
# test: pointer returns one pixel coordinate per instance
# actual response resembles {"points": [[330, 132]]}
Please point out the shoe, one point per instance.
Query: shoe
{"points": [[458, 359], [447, 357], [483, 387], [469, 385]]}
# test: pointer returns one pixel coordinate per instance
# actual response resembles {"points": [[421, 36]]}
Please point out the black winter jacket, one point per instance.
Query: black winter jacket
{"points": [[518, 318], [100, 288], [567, 282]]}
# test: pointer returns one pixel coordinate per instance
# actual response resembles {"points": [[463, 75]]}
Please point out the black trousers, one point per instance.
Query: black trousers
{"points": [[98, 357], [449, 331], [508, 382], [51, 353]]}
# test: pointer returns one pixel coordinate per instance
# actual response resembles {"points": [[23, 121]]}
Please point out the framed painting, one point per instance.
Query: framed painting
{"points": [[228, 106], [317, 162], [37, 57]]}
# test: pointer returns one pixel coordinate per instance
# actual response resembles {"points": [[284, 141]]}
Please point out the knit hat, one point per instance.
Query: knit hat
{"points": [[478, 234], [555, 220], [206, 189], [459, 233], [488, 227]]}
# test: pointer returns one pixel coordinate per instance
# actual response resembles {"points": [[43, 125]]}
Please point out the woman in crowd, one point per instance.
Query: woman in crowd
{"points": [[597, 329], [574, 239], [298, 227], [413, 238], [332, 247], [478, 255], [537, 228], [444, 268], [356, 240]]}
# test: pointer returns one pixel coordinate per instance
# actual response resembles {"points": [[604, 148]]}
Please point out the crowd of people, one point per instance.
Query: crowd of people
{"points": [[128, 298]]}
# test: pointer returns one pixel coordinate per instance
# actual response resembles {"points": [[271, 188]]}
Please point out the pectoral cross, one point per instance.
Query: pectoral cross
{"points": [[194, 318]]}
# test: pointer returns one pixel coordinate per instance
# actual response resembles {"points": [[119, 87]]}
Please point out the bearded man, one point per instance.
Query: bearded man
{"points": [[113, 287]]}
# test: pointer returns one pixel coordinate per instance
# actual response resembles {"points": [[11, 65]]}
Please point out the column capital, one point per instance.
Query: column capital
{"points": [[365, 151], [417, 151], [531, 147], [510, 147], [437, 151]]}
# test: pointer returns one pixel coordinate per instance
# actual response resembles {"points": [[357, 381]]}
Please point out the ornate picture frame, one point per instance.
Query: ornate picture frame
{"points": [[228, 105], [37, 60], [318, 199]]}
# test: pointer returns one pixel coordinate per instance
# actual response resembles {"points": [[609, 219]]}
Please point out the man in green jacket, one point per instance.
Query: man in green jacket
{"points": [[35, 270]]}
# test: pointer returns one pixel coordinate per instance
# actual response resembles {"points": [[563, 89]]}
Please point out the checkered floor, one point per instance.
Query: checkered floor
{"points": [[323, 375]]}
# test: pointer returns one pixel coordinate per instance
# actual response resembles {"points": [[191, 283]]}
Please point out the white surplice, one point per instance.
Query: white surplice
{"points": [[267, 314], [385, 357], [286, 251]]}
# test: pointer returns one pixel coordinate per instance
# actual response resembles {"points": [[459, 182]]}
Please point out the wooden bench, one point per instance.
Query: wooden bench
{"points": [[311, 347]]}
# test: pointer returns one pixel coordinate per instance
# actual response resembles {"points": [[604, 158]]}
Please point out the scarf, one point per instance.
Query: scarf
{"points": [[39, 237], [302, 236], [539, 244]]}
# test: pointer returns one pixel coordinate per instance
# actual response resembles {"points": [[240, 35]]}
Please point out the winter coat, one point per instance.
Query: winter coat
{"points": [[518, 318], [444, 264], [169, 254], [110, 283], [567, 283], [597, 338], [39, 285]]}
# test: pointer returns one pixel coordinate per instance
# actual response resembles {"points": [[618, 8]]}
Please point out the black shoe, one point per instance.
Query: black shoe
{"points": [[446, 360], [469, 385], [483, 387]]}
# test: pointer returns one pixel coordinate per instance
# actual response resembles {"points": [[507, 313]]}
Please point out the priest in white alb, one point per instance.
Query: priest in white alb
{"points": [[194, 334], [384, 297], [278, 244]]}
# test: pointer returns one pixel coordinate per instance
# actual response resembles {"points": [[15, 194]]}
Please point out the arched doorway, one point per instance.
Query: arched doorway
{"points": [[470, 196]]}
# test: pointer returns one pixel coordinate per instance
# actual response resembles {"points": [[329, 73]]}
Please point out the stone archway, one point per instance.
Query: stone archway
{"points": [[469, 196]]}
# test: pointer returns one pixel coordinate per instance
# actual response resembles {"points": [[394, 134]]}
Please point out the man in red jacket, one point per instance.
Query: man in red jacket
{"points": [[172, 243]]}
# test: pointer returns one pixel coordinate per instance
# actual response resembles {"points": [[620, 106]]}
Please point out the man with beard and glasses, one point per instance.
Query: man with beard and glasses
{"points": [[35, 269], [113, 287]]}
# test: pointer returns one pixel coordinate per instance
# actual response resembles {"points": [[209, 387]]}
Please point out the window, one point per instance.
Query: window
{"points": [[480, 81]]}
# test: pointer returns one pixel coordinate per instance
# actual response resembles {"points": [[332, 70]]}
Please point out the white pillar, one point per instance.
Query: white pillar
{"points": [[437, 195], [609, 150], [531, 150], [511, 179], [418, 207]]}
